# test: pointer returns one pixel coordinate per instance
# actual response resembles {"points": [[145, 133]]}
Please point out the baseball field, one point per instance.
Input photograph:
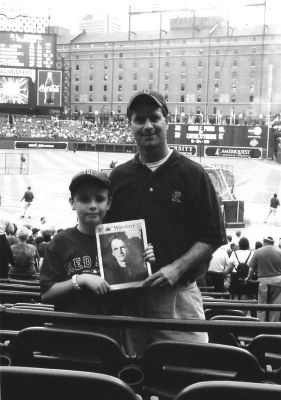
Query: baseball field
{"points": [[50, 172]]}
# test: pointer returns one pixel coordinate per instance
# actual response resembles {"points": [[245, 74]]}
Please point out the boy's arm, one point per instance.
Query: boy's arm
{"points": [[93, 282]]}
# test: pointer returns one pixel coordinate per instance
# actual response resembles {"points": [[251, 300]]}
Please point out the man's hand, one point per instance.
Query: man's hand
{"points": [[93, 282], [166, 277]]}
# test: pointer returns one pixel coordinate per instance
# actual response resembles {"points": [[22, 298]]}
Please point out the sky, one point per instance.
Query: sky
{"points": [[66, 13]]}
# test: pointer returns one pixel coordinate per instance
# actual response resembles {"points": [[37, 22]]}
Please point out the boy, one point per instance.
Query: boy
{"points": [[69, 275]]}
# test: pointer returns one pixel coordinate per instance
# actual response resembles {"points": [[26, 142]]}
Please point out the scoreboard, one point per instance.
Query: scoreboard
{"points": [[30, 50]]}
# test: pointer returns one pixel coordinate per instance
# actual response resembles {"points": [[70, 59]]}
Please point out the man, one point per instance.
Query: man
{"points": [[28, 197], [124, 267], [217, 274], [274, 203], [177, 200], [22, 162], [266, 262]]}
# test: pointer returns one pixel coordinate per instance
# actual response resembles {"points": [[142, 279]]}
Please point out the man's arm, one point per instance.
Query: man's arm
{"points": [[252, 268], [250, 273], [190, 265]]}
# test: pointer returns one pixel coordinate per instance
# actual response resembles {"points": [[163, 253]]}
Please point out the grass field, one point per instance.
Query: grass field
{"points": [[50, 172]]}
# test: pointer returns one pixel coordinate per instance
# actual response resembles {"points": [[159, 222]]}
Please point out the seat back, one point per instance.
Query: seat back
{"points": [[212, 312], [27, 383], [233, 318], [229, 390], [170, 366], [267, 349], [215, 279], [67, 349]]}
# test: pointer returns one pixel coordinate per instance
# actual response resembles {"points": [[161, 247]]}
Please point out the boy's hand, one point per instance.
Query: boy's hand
{"points": [[93, 282], [149, 253]]}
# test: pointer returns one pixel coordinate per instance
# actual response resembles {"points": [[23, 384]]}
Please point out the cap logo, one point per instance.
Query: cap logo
{"points": [[89, 172]]}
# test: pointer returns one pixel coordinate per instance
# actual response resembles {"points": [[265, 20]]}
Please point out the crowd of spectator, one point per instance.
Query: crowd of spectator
{"points": [[81, 130]]}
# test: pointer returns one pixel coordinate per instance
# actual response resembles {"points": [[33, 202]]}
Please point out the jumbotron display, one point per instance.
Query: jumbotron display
{"points": [[31, 50], [14, 90]]}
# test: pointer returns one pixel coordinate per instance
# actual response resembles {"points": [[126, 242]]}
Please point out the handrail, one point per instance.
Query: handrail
{"points": [[10, 315]]}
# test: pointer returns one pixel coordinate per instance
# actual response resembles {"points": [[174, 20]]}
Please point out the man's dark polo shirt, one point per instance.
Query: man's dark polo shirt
{"points": [[178, 203]]}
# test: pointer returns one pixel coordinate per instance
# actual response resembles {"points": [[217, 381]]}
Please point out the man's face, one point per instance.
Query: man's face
{"points": [[149, 126], [119, 250]]}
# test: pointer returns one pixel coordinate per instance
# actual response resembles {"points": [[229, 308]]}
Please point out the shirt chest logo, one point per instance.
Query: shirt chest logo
{"points": [[176, 197]]}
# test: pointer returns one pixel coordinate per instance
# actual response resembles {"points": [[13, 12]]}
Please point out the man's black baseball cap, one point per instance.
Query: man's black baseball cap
{"points": [[158, 98], [89, 175]]}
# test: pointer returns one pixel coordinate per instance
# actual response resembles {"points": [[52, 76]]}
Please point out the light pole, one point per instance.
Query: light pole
{"points": [[208, 71]]}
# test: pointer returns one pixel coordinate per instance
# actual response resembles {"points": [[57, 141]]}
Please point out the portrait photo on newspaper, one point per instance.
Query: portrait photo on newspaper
{"points": [[120, 251]]}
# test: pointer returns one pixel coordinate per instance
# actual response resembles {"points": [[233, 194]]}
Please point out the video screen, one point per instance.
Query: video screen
{"points": [[14, 90]]}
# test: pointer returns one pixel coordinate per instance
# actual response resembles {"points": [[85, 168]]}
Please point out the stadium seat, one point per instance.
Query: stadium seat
{"points": [[267, 349], [217, 295], [67, 349], [170, 366], [229, 390], [19, 287], [15, 296], [215, 279], [230, 338], [210, 312], [27, 383]]}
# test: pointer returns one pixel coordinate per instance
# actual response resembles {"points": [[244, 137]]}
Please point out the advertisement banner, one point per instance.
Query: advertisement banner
{"points": [[41, 145], [49, 88], [187, 150], [241, 152]]}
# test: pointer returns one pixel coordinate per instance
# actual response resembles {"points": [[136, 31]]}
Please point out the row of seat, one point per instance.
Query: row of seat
{"points": [[163, 370], [44, 384]]}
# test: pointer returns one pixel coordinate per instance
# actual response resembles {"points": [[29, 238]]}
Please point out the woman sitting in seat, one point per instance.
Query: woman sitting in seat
{"points": [[26, 258]]}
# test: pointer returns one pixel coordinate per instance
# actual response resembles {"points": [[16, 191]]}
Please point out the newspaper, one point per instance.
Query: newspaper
{"points": [[120, 252]]}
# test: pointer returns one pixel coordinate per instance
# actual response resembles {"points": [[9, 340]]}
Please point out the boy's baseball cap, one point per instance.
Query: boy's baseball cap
{"points": [[89, 175], [158, 98]]}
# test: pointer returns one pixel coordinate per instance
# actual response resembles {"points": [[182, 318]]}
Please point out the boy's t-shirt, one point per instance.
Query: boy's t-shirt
{"points": [[71, 252]]}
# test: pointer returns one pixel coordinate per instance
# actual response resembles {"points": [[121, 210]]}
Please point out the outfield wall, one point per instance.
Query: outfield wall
{"points": [[196, 140]]}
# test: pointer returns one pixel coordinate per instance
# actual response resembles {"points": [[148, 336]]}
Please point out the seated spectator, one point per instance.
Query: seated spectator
{"points": [[34, 235], [42, 246], [11, 237], [227, 246], [26, 258], [258, 245], [43, 225]]}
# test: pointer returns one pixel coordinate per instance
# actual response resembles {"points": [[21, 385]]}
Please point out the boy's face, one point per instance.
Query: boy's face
{"points": [[91, 203]]}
